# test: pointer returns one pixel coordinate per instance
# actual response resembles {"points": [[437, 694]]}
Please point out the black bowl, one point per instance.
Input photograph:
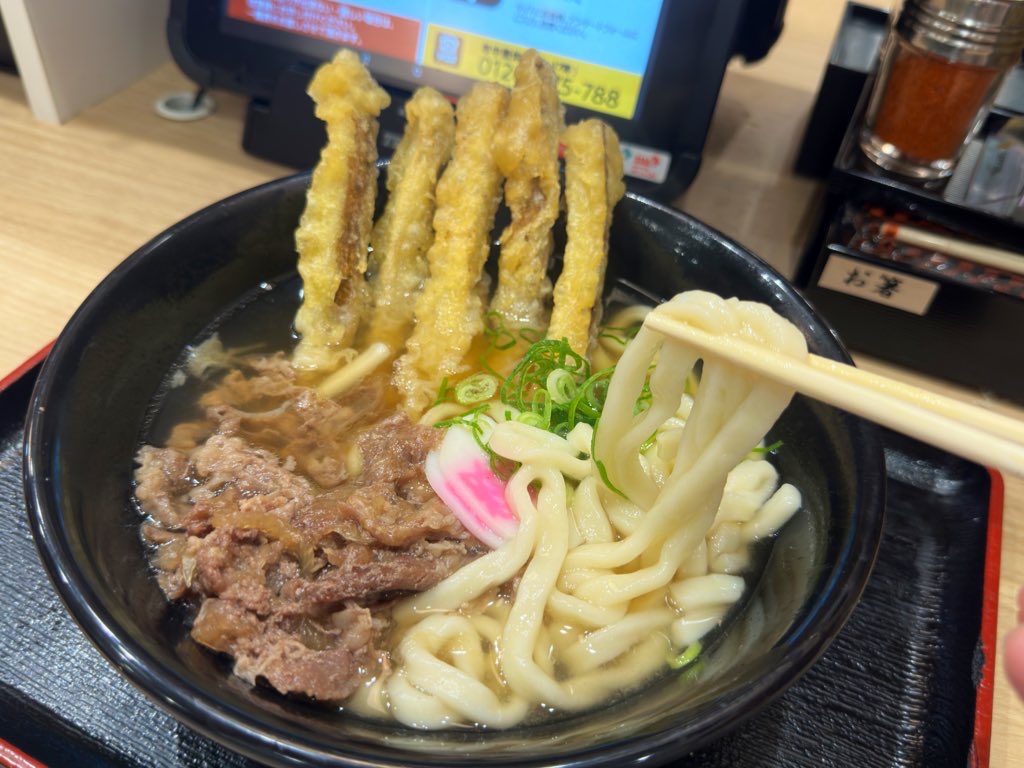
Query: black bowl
{"points": [[90, 405]]}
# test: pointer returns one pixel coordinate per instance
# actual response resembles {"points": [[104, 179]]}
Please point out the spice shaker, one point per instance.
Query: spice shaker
{"points": [[939, 72]]}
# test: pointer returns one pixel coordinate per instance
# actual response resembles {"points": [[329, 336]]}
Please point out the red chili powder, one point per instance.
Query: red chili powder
{"points": [[930, 104]]}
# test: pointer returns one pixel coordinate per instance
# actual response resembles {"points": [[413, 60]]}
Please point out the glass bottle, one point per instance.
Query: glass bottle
{"points": [[939, 72]]}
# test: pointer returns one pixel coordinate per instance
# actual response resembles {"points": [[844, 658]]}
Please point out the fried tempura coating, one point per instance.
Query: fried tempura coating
{"points": [[403, 233], [593, 185], [449, 311], [334, 232], [526, 150]]}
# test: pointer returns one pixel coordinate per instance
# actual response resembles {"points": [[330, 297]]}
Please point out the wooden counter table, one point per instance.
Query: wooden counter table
{"points": [[77, 199]]}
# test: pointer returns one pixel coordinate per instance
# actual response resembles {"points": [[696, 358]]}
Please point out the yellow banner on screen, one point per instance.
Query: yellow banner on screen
{"points": [[594, 87]]}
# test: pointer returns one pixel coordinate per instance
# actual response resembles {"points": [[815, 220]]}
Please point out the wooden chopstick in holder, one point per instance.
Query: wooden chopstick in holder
{"points": [[985, 255], [960, 428]]}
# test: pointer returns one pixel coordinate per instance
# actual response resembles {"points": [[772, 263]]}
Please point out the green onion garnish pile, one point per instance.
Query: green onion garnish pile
{"points": [[551, 388]]}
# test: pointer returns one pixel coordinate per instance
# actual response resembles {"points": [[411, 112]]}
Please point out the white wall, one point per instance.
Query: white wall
{"points": [[73, 53]]}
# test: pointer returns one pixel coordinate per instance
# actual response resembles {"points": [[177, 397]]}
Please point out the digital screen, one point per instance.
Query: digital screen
{"points": [[599, 49]]}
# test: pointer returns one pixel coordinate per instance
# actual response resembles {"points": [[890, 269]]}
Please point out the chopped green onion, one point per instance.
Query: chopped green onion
{"points": [[530, 335], [505, 345], [687, 657], [468, 419], [692, 383], [531, 386], [532, 419], [644, 401], [561, 429], [647, 444], [590, 397], [601, 469], [551, 388], [498, 336], [443, 393], [476, 389], [620, 334], [561, 386], [603, 472], [766, 449]]}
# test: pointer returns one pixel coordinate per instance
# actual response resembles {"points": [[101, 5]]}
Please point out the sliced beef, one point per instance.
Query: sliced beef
{"points": [[323, 664], [160, 483], [259, 381], [393, 450], [223, 462], [245, 486], [257, 514], [272, 411], [365, 574], [312, 432], [379, 512], [168, 547], [233, 563]]}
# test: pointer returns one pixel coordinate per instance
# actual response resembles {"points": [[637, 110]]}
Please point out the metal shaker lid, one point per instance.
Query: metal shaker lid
{"points": [[979, 32]]}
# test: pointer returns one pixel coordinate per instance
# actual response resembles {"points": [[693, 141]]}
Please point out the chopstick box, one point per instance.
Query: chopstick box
{"points": [[908, 302], [935, 323]]}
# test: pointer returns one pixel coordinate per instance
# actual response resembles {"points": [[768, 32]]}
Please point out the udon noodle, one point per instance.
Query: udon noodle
{"points": [[600, 588]]}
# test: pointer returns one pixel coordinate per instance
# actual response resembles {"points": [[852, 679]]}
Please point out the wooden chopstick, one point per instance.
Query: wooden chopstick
{"points": [[982, 418], [960, 428], [986, 255]]}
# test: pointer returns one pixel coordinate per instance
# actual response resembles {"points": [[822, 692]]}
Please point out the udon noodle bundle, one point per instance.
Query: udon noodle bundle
{"points": [[605, 582], [572, 514]]}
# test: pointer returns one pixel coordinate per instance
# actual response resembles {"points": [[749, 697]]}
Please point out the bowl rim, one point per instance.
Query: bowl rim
{"points": [[237, 730]]}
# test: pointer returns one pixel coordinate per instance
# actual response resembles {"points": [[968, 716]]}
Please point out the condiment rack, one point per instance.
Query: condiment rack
{"points": [[925, 310]]}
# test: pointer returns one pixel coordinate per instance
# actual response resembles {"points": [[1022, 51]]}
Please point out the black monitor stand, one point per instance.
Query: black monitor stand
{"points": [[286, 130]]}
